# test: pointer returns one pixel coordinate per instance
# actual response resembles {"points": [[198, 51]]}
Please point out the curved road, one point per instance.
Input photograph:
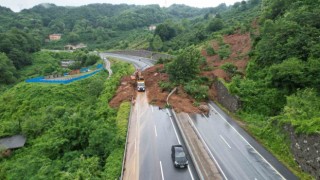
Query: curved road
{"points": [[237, 153], [152, 132]]}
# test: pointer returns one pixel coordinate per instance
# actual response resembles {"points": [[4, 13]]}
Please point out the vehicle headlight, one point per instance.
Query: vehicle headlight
{"points": [[175, 162]]}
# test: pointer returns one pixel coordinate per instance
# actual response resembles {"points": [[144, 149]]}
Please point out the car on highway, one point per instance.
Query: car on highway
{"points": [[179, 156]]}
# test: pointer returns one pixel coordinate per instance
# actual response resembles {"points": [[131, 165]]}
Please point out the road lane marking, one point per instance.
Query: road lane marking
{"points": [[174, 127], [225, 177], [190, 173], [152, 108], [161, 171], [135, 145], [247, 141], [205, 116], [225, 141], [155, 130]]}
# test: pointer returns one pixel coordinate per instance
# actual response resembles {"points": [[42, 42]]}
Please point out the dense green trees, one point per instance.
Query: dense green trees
{"points": [[7, 70], [18, 45], [215, 24], [165, 32], [71, 133], [157, 42], [185, 67]]}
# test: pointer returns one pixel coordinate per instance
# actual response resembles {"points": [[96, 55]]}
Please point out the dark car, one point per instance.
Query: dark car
{"points": [[179, 156]]}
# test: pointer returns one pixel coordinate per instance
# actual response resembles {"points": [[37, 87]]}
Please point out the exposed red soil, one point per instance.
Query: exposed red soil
{"points": [[125, 92], [180, 100], [240, 45]]}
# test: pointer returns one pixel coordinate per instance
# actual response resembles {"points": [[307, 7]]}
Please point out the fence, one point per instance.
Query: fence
{"points": [[60, 81]]}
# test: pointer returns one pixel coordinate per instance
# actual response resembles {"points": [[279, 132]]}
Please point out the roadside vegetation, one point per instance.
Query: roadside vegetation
{"points": [[71, 131]]}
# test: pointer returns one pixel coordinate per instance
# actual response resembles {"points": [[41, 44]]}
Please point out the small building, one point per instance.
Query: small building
{"points": [[7, 144], [66, 63], [74, 47], [54, 37], [152, 28]]}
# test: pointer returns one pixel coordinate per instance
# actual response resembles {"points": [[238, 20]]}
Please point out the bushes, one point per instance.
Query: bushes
{"points": [[71, 131], [112, 168], [122, 119], [210, 51], [197, 90], [302, 111], [166, 86], [224, 52], [229, 68]]}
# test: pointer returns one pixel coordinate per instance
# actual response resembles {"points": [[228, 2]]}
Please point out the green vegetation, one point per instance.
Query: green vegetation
{"points": [[210, 51], [16, 47], [71, 131], [185, 67], [281, 86], [302, 111], [229, 68]]}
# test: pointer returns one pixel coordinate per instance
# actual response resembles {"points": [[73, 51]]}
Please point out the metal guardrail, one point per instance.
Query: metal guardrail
{"points": [[188, 147], [125, 147]]}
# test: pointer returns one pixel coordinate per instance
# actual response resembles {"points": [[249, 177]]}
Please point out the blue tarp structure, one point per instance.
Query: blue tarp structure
{"points": [[63, 81], [99, 66], [82, 70]]}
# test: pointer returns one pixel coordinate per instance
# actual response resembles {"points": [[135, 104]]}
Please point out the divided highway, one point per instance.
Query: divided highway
{"points": [[157, 133], [152, 132]]}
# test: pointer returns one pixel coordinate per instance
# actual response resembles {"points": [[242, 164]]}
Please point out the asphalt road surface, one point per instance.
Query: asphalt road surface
{"points": [[238, 154], [152, 132], [138, 62], [157, 133]]}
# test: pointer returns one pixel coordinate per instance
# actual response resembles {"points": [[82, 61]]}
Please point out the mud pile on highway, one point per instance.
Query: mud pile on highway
{"points": [[240, 46], [180, 100], [125, 92]]}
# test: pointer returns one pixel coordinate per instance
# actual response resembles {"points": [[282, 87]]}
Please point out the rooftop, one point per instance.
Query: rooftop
{"points": [[13, 142]]}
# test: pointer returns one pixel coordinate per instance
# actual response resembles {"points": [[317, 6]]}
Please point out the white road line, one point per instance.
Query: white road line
{"points": [[174, 127], [155, 130], [225, 177], [179, 143], [190, 173], [161, 171], [225, 141], [135, 145], [205, 116], [246, 141], [152, 108]]}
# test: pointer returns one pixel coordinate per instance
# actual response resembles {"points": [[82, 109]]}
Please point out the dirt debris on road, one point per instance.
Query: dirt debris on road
{"points": [[125, 92], [240, 46]]}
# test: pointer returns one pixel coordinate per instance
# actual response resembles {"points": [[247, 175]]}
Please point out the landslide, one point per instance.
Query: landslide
{"points": [[240, 45]]}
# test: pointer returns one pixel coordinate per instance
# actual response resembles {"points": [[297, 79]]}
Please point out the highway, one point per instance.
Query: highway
{"points": [[152, 132], [237, 153], [157, 133], [138, 62]]}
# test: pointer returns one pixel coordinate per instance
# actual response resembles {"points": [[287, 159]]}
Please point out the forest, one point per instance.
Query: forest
{"points": [[72, 126]]}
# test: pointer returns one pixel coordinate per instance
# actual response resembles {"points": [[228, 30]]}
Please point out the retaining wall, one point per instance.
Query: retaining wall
{"points": [[229, 101]]}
